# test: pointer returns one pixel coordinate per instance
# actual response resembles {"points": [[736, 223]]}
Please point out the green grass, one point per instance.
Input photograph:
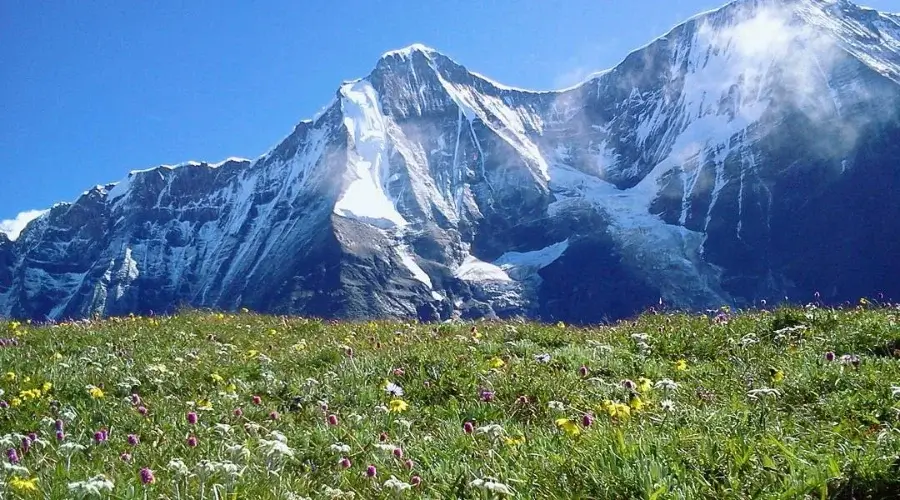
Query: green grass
{"points": [[831, 431]]}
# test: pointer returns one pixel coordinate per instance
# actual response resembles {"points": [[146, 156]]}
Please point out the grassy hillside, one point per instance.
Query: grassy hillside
{"points": [[668, 406]]}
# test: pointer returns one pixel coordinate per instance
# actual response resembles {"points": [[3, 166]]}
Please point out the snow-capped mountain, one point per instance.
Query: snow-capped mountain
{"points": [[751, 153]]}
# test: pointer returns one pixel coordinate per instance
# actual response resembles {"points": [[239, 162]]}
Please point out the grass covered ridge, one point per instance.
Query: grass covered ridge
{"points": [[200, 405]]}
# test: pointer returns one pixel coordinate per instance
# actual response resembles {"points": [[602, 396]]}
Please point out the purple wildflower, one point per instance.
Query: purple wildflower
{"points": [[133, 439], [486, 395], [192, 441], [371, 471], [12, 456], [192, 417], [125, 457], [398, 452], [468, 428], [332, 419], [344, 463], [829, 356], [415, 480], [60, 435], [147, 476], [587, 420], [238, 412]]}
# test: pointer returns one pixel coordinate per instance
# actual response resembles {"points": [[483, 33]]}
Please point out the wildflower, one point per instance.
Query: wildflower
{"points": [[635, 403], [192, 441], [628, 384], [895, 391], [9, 377], [273, 415], [398, 453], [667, 405], [340, 448], [371, 471], [496, 362], [514, 441], [125, 457], [486, 395], [142, 410], [133, 439], [20, 485], [95, 392], [587, 420], [829, 356], [776, 375], [3, 405], [666, 384], [135, 399], [60, 435], [12, 456], [618, 410], [542, 358], [344, 462], [409, 464], [398, 405], [383, 437], [763, 392], [568, 426], [644, 384], [468, 428], [191, 418], [681, 365], [238, 412], [396, 484], [556, 405], [393, 389], [583, 371], [147, 476], [493, 430], [70, 448], [398, 372], [215, 377], [99, 437], [275, 448], [850, 359], [640, 337], [492, 485], [415, 480], [94, 486]]}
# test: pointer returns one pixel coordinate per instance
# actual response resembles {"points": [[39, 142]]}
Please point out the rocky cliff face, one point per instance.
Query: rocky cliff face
{"points": [[751, 153]]}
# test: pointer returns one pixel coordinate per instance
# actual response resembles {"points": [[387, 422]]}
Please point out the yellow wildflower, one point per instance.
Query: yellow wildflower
{"points": [[252, 353], [20, 485], [273, 332], [635, 403], [681, 365], [496, 362], [776, 374], [644, 384], [46, 387], [398, 405], [568, 426], [299, 346], [217, 378], [57, 356], [513, 441], [95, 392], [618, 410], [231, 388], [560, 325], [204, 404], [15, 402], [9, 376]]}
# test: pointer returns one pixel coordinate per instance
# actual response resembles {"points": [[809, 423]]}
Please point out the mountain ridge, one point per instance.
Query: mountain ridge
{"points": [[425, 189]]}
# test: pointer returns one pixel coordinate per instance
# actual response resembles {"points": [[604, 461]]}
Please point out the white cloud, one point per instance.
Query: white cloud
{"points": [[13, 227]]}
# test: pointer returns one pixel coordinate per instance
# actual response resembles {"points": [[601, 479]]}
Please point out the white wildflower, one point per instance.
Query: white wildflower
{"points": [[222, 429], [393, 389], [274, 448], [381, 408], [666, 384], [238, 451], [396, 484], [355, 417], [556, 405], [640, 337], [492, 485], [337, 493], [765, 391], [94, 486], [542, 358], [70, 448], [493, 430], [405, 423], [340, 448], [14, 469], [389, 448], [277, 436], [178, 467], [667, 405]]}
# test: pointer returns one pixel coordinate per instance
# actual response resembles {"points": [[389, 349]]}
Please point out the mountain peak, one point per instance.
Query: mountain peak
{"points": [[409, 50]]}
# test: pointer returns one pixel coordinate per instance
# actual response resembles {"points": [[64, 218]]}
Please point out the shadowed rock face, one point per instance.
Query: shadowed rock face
{"points": [[712, 166]]}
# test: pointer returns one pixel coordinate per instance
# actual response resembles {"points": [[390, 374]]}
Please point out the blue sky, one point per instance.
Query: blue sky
{"points": [[92, 89]]}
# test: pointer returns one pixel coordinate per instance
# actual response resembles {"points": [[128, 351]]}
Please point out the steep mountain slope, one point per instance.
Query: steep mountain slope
{"points": [[750, 153]]}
